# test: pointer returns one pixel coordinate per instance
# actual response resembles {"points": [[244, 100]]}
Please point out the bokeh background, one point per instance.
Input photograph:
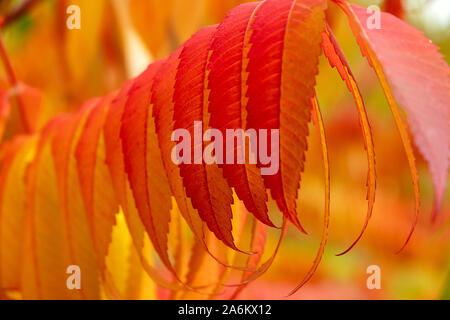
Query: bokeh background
{"points": [[119, 38]]}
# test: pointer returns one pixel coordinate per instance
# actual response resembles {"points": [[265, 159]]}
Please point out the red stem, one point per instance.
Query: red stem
{"points": [[15, 84]]}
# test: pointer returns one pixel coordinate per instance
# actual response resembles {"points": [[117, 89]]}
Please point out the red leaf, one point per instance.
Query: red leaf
{"points": [[116, 164], [163, 112], [402, 58], [283, 59], [409, 59], [318, 120], [204, 184]]}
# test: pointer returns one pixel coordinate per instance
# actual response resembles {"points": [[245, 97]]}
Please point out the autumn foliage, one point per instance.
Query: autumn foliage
{"points": [[63, 188]]}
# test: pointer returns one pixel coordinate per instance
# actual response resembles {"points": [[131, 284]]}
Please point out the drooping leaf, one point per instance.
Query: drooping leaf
{"points": [[318, 121], [403, 59], [99, 202], [163, 112], [116, 164], [204, 184], [112, 160], [258, 244], [143, 163], [82, 251], [337, 59], [283, 58]]}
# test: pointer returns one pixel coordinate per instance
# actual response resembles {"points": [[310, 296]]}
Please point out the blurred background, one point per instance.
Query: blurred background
{"points": [[119, 38]]}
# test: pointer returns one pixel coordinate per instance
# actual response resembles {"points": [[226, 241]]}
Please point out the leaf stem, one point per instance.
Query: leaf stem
{"points": [[20, 11], [14, 83]]}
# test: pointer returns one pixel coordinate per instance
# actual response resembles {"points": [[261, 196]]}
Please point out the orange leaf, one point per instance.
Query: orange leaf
{"points": [[204, 184], [16, 155], [317, 114], [401, 67], [143, 163], [116, 165]]}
